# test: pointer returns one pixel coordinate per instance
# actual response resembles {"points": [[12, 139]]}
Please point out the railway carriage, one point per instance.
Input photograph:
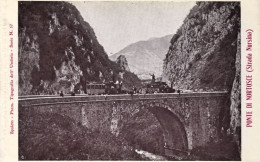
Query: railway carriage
{"points": [[103, 88], [95, 89]]}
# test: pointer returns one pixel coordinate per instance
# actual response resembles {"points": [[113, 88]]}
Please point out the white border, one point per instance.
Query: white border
{"points": [[250, 16]]}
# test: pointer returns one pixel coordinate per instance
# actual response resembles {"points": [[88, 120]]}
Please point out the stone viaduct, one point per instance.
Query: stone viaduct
{"points": [[189, 120]]}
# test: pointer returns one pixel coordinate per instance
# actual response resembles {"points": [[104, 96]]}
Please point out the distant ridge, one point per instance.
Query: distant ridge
{"points": [[146, 57]]}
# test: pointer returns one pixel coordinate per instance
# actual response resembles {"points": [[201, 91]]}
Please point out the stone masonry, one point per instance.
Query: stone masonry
{"points": [[189, 120]]}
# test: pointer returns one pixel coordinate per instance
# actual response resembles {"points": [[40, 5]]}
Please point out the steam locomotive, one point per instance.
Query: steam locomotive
{"points": [[159, 87]]}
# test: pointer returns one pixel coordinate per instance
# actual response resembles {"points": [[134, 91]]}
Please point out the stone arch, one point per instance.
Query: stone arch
{"points": [[175, 133], [141, 129]]}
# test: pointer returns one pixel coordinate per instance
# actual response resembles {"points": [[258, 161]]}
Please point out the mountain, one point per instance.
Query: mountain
{"points": [[203, 51], [146, 57], [59, 51], [205, 54]]}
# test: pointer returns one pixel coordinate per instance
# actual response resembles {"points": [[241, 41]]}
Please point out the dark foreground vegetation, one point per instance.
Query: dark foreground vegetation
{"points": [[48, 136], [225, 150]]}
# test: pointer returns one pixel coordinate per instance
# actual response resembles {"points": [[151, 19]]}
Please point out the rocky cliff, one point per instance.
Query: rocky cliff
{"points": [[58, 50], [205, 55], [146, 57], [202, 53], [122, 62]]}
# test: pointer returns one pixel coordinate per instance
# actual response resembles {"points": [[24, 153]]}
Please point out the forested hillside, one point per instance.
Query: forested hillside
{"points": [[58, 50]]}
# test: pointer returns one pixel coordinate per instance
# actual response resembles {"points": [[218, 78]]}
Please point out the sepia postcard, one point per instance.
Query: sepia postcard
{"points": [[174, 80]]}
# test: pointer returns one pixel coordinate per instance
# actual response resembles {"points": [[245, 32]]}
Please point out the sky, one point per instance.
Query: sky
{"points": [[118, 24]]}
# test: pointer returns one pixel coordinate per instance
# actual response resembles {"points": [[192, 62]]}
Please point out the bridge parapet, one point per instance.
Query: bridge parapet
{"points": [[45, 100]]}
